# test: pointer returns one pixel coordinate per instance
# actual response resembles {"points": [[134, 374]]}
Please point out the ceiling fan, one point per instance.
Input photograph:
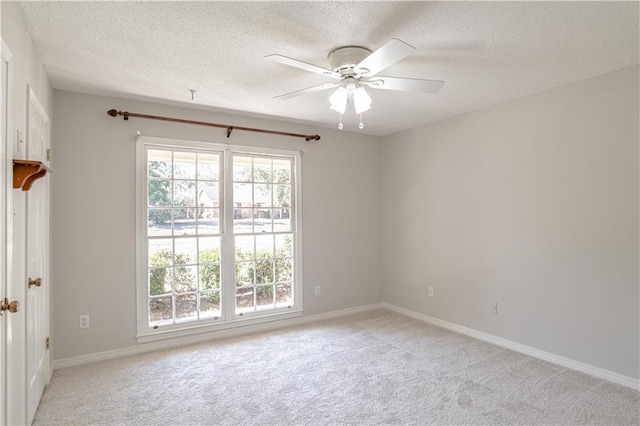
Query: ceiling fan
{"points": [[355, 68]]}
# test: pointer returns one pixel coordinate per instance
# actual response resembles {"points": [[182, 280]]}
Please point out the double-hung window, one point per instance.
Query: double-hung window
{"points": [[218, 234]]}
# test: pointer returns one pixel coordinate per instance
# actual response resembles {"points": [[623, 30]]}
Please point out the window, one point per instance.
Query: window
{"points": [[262, 232], [218, 233]]}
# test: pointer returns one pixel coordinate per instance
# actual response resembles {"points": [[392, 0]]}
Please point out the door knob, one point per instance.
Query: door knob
{"points": [[12, 307], [37, 282]]}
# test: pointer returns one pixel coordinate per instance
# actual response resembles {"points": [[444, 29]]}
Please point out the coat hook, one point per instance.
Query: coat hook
{"points": [[192, 92]]}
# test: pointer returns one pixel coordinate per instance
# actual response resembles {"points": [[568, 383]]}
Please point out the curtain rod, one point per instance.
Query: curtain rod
{"points": [[126, 115]]}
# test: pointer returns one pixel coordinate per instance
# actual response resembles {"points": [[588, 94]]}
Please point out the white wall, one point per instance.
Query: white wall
{"points": [[26, 70], [532, 204], [94, 214]]}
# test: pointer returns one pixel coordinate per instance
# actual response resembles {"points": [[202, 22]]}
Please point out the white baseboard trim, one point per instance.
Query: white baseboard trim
{"points": [[198, 338], [518, 347]]}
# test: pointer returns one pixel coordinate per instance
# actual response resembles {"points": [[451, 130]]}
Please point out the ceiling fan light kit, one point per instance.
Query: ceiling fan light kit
{"points": [[356, 67]]}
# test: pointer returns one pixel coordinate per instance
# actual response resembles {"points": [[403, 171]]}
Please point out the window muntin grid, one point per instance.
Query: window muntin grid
{"points": [[183, 233], [263, 189]]}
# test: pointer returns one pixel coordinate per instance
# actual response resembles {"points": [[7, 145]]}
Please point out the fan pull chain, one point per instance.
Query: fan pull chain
{"points": [[340, 126], [361, 125]]}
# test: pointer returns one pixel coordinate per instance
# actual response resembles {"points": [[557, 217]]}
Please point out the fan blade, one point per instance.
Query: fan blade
{"points": [[307, 90], [302, 65], [387, 55], [405, 84]]}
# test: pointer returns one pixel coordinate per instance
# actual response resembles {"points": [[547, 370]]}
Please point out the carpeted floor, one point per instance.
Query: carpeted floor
{"points": [[376, 367]]}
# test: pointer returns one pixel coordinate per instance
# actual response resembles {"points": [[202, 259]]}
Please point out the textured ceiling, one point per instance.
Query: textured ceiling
{"points": [[486, 52]]}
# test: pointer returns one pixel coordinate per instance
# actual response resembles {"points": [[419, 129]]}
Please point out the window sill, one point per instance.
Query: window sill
{"points": [[218, 330]]}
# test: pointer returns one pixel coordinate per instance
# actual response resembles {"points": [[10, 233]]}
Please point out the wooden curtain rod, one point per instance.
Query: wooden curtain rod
{"points": [[126, 115]]}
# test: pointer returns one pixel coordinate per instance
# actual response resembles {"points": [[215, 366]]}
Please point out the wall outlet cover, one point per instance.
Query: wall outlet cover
{"points": [[84, 321]]}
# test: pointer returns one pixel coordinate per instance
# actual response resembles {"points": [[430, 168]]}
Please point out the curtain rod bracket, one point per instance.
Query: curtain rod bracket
{"points": [[127, 114], [115, 113]]}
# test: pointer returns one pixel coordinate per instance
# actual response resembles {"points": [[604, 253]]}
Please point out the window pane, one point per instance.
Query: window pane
{"points": [[208, 167], [160, 252], [242, 195], [244, 248], [282, 220], [262, 170], [282, 196], [185, 278], [284, 295], [262, 195], [184, 165], [284, 245], [186, 307], [262, 220], [159, 193], [264, 295], [244, 273], [284, 270], [184, 193], [244, 299], [159, 164], [158, 222], [264, 271], [183, 222], [209, 260], [282, 171], [264, 246], [160, 309], [210, 304], [209, 221], [160, 281], [186, 251], [210, 276], [208, 194], [209, 249], [241, 169], [242, 220]]}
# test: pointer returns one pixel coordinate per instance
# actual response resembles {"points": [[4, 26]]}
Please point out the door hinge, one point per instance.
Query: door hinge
{"points": [[48, 343], [48, 154]]}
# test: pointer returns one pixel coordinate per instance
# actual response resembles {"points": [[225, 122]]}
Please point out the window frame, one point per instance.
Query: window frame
{"points": [[228, 318]]}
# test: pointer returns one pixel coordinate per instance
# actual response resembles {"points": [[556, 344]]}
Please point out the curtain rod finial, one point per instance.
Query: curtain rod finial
{"points": [[115, 113]]}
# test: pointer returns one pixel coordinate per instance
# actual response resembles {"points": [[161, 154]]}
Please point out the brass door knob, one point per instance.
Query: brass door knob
{"points": [[37, 282], [12, 307]]}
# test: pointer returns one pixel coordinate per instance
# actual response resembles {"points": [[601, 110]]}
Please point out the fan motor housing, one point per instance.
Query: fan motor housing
{"points": [[344, 59]]}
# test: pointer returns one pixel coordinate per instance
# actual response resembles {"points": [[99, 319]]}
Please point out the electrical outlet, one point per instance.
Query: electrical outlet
{"points": [[84, 321], [494, 307], [430, 291], [317, 290]]}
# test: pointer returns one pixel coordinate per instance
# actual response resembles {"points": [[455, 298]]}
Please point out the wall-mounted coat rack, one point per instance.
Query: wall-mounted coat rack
{"points": [[26, 172]]}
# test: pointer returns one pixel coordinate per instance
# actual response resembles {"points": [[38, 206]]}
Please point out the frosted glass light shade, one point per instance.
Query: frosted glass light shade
{"points": [[361, 100], [338, 100]]}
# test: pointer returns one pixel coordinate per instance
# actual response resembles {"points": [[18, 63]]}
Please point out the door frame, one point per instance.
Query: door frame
{"points": [[37, 314], [6, 223]]}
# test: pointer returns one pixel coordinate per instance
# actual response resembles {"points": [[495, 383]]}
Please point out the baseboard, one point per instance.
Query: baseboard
{"points": [[187, 340], [601, 373]]}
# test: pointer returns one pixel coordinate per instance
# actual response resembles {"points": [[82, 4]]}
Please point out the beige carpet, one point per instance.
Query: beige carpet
{"points": [[372, 368]]}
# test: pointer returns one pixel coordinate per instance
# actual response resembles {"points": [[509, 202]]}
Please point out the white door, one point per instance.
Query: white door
{"points": [[37, 238], [36, 294]]}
